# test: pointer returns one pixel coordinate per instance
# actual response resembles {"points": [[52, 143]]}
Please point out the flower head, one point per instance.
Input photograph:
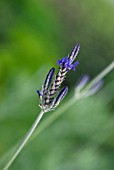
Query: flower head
{"points": [[49, 95], [66, 62]]}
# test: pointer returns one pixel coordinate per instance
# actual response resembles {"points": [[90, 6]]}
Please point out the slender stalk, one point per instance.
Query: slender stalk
{"points": [[100, 76], [23, 143]]}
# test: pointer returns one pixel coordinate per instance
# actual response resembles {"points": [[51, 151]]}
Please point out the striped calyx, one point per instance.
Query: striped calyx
{"points": [[56, 83], [48, 95], [60, 96], [48, 81], [74, 52]]}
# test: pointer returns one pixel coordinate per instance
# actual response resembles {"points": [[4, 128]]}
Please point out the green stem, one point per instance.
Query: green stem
{"points": [[23, 143], [100, 76]]}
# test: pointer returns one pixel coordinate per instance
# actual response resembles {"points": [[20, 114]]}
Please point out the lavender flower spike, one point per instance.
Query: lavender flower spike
{"points": [[82, 83], [94, 89], [48, 95]]}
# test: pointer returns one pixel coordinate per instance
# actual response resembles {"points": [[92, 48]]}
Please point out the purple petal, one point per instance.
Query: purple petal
{"points": [[63, 60], [76, 63]]}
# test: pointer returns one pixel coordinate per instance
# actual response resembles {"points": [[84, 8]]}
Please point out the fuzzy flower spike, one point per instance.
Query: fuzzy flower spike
{"points": [[49, 95]]}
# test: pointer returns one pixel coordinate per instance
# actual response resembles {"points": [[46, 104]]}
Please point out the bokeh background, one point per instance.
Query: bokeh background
{"points": [[33, 36]]}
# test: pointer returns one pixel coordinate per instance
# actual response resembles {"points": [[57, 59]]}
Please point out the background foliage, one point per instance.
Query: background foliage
{"points": [[33, 36]]}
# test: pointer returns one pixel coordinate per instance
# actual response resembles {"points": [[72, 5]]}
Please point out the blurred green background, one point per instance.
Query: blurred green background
{"points": [[33, 36]]}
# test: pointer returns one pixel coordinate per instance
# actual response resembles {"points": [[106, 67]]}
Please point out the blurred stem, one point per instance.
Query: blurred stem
{"points": [[23, 143], [100, 76]]}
